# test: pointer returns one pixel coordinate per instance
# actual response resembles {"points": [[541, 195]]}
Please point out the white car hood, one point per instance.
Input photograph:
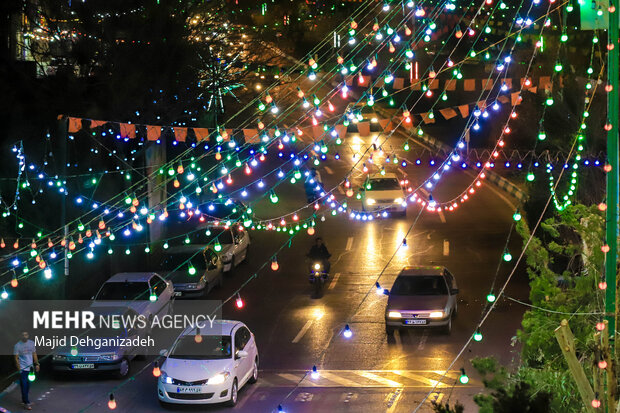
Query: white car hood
{"points": [[194, 370]]}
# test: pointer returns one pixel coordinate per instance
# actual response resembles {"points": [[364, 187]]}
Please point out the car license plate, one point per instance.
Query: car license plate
{"points": [[415, 321], [83, 366], [188, 389], [178, 293]]}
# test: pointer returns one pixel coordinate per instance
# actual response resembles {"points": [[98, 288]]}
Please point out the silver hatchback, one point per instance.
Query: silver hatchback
{"points": [[422, 296]]}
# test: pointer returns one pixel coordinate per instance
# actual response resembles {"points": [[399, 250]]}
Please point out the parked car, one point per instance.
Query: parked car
{"points": [[193, 269], [211, 368], [422, 296], [230, 243], [145, 292], [105, 358], [384, 193]]}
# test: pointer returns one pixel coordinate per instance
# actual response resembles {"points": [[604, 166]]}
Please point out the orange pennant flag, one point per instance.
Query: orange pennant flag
{"points": [[75, 124], [180, 134], [201, 134], [97, 123], [153, 132], [128, 130]]}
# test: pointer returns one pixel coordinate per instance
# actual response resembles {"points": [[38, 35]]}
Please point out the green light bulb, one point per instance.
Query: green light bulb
{"points": [[477, 336]]}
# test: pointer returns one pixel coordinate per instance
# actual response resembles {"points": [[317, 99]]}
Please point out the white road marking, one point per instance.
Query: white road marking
{"points": [[436, 397], [329, 170], [446, 247], [303, 331], [423, 340], [349, 244], [377, 378], [340, 380], [419, 377], [290, 377], [246, 397], [334, 281]]}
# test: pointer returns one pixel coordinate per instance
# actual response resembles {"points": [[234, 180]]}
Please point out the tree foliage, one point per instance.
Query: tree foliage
{"points": [[564, 265]]}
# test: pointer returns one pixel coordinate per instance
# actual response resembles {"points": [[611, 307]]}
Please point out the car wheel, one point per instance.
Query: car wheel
{"points": [[233, 394], [123, 370], [455, 312], [254, 377], [447, 329], [389, 330]]}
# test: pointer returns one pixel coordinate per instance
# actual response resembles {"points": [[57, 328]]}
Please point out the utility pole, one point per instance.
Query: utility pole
{"points": [[62, 143], [611, 218]]}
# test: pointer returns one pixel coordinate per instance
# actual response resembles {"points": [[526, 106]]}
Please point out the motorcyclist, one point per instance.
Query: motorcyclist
{"points": [[319, 252]]}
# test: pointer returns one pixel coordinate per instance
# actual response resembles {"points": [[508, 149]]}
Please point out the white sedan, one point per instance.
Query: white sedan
{"points": [[384, 192], [209, 365]]}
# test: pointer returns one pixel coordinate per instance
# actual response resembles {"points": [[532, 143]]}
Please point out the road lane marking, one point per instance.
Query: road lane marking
{"points": [[290, 377], [420, 378], [446, 247], [361, 379], [303, 331], [329, 170], [382, 380], [334, 281], [436, 397], [347, 397], [393, 399], [423, 340], [304, 397], [349, 244], [337, 379]]}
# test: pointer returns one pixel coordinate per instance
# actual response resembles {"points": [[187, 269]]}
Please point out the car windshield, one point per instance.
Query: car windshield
{"points": [[124, 291], [384, 184], [209, 348], [420, 285], [181, 260]]}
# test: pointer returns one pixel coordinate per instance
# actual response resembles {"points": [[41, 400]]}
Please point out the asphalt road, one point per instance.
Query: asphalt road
{"points": [[368, 372]]}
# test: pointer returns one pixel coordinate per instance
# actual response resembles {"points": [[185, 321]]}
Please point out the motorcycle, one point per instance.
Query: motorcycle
{"points": [[318, 276]]}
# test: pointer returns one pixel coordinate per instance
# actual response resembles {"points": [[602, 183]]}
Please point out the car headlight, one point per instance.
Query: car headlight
{"points": [[370, 201], [109, 357], [191, 286], [165, 378], [398, 201], [436, 314], [394, 314], [59, 357], [317, 266], [219, 378]]}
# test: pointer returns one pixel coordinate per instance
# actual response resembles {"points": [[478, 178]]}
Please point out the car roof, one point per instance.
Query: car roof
{"points": [[227, 326], [131, 277], [388, 175], [415, 270]]}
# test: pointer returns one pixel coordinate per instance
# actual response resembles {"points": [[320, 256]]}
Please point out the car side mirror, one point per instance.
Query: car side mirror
{"points": [[454, 291], [241, 354], [163, 353]]}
